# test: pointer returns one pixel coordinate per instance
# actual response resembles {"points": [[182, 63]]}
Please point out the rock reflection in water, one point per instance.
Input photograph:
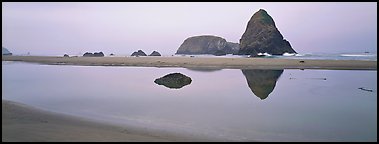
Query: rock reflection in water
{"points": [[261, 82]]}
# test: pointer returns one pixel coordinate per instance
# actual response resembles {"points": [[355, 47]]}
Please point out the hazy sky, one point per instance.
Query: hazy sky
{"points": [[121, 28]]}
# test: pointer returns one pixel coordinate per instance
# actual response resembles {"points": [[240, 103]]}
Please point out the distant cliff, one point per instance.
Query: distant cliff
{"points": [[207, 44], [261, 35]]}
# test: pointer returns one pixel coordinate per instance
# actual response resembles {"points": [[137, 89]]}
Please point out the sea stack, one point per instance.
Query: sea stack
{"points": [[261, 35], [207, 44], [96, 54], [155, 53], [139, 53]]}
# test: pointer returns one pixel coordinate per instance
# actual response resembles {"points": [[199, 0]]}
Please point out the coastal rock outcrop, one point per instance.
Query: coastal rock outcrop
{"points": [[261, 35], [261, 82], [96, 54], [87, 54], [99, 54], [232, 48], [173, 80], [155, 53], [207, 44], [139, 53], [5, 51]]}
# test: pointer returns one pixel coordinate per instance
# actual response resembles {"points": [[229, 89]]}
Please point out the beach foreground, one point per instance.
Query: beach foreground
{"points": [[201, 62], [24, 123]]}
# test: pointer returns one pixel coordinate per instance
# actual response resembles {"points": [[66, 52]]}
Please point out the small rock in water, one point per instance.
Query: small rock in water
{"points": [[174, 80]]}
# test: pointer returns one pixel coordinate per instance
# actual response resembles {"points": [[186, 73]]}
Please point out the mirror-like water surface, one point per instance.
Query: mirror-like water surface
{"points": [[232, 104]]}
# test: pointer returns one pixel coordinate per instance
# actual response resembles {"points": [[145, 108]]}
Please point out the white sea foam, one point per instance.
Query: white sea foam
{"points": [[292, 54], [265, 54], [289, 54]]}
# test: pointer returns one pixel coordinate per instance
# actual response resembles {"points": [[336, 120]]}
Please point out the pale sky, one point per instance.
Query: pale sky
{"points": [[122, 28]]}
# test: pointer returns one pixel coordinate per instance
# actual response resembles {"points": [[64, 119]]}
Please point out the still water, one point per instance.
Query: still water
{"points": [[230, 104]]}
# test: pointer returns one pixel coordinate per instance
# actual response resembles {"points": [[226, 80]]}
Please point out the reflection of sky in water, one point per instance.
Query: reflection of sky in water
{"points": [[302, 106]]}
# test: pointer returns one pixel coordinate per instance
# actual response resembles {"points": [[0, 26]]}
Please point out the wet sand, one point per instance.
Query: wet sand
{"points": [[201, 62], [28, 124]]}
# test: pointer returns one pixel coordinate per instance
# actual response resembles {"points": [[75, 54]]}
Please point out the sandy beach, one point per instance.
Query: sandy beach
{"points": [[21, 122], [200, 62]]}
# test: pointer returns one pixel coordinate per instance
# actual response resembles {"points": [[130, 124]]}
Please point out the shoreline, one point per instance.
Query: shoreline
{"points": [[200, 62], [21, 122]]}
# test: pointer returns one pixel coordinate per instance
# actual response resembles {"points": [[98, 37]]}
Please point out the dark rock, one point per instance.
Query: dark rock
{"points": [[174, 80], [99, 54], [262, 82], [262, 36], [207, 44], [111, 54], [5, 51], [139, 53], [87, 54], [219, 53], [155, 53], [96, 54], [232, 48], [66, 55]]}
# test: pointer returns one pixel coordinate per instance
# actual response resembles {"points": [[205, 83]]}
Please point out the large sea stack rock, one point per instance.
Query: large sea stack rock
{"points": [[262, 36], [155, 53], [261, 82], [174, 80], [139, 53], [207, 44], [5, 51]]}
